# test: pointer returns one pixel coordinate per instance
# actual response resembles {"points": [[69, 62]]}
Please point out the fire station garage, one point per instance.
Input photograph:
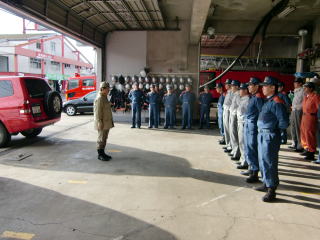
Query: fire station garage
{"points": [[174, 181]]}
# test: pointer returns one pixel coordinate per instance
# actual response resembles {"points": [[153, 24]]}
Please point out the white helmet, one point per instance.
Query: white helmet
{"points": [[141, 79], [189, 80], [140, 86], [160, 86], [162, 80], [168, 80], [127, 79], [128, 86], [147, 86], [120, 87], [175, 86], [134, 78], [114, 79], [174, 80], [147, 79], [154, 80], [181, 87], [181, 80]]}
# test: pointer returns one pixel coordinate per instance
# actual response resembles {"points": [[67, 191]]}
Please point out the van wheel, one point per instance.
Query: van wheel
{"points": [[31, 133], [71, 110], [5, 137], [53, 104]]}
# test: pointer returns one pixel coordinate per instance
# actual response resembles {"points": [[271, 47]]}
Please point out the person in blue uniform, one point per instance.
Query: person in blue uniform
{"points": [[187, 99], [153, 100], [137, 98], [251, 130], [219, 89], [205, 99], [170, 101], [283, 95], [273, 118]]}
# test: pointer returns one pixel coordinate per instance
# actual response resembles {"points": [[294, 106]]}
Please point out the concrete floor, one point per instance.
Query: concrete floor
{"points": [[160, 185]]}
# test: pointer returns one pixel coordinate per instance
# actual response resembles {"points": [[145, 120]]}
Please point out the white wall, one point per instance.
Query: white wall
{"points": [[126, 53]]}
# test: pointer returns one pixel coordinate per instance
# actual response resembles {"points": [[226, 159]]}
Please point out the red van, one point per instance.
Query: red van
{"points": [[78, 86], [27, 104]]}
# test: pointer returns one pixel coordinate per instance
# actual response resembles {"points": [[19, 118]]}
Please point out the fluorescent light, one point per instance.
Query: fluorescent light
{"points": [[286, 11]]}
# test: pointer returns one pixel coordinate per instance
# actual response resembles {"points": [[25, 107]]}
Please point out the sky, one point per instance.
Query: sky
{"points": [[12, 24]]}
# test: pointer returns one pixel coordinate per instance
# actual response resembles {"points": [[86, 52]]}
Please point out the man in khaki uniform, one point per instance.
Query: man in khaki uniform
{"points": [[103, 121]]}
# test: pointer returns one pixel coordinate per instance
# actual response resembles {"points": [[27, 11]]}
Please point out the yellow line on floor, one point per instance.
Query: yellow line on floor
{"points": [[114, 150], [17, 235], [317, 193], [77, 182]]}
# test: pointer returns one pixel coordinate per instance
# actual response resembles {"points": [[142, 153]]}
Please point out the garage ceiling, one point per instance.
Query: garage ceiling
{"points": [[91, 20], [242, 16]]}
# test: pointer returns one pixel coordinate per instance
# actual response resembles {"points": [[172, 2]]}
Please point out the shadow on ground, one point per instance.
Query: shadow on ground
{"points": [[51, 215]]}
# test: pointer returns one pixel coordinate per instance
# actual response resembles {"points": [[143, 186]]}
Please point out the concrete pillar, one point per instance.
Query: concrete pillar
{"points": [[98, 65]]}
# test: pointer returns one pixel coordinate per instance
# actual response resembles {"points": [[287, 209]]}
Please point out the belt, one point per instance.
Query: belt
{"points": [[264, 130], [312, 114]]}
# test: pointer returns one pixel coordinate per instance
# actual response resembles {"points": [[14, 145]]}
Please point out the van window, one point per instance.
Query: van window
{"points": [[37, 88], [92, 95], [88, 83], [6, 89], [73, 84]]}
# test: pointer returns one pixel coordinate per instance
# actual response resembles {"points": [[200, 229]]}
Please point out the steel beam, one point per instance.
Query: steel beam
{"points": [[131, 12], [146, 11], [118, 16]]}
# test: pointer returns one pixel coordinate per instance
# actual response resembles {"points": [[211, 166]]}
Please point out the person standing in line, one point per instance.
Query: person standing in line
{"points": [[103, 121], [309, 120], [272, 119], [187, 99], [283, 95], [170, 101], [205, 100], [219, 89], [296, 115], [226, 115], [153, 101], [255, 104], [318, 115], [233, 122], [241, 112], [136, 97]]}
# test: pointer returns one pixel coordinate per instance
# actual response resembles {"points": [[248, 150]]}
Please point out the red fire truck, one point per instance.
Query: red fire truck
{"points": [[79, 86]]}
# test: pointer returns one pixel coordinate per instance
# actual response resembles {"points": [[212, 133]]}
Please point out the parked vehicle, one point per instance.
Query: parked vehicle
{"points": [[79, 86], [27, 105], [80, 105]]}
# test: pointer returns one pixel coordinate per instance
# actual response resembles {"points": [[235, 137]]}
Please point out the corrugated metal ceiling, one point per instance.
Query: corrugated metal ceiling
{"points": [[110, 15]]}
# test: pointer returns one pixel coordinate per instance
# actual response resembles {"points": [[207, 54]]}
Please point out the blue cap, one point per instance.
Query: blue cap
{"points": [[270, 81], [219, 85], [244, 86], [254, 81], [235, 83], [280, 84], [228, 81]]}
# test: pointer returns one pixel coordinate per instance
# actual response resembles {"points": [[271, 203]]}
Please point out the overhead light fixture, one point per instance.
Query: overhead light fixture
{"points": [[303, 32], [287, 11], [211, 31]]}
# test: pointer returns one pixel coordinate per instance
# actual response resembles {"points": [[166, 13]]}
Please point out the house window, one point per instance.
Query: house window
{"points": [[53, 47], [55, 65], [38, 45], [35, 63], [66, 65]]}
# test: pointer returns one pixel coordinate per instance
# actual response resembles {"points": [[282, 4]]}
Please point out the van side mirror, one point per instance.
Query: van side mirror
{"points": [[85, 99]]}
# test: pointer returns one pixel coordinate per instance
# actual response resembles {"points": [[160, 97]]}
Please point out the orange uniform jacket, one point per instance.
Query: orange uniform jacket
{"points": [[309, 120]]}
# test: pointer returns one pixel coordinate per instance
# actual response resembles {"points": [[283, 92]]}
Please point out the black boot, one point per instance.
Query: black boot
{"points": [[253, 177], [262, 188], [309, 156], [270, 195], [246, 173], [107, 156], [242, 167], [102, 156]]}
